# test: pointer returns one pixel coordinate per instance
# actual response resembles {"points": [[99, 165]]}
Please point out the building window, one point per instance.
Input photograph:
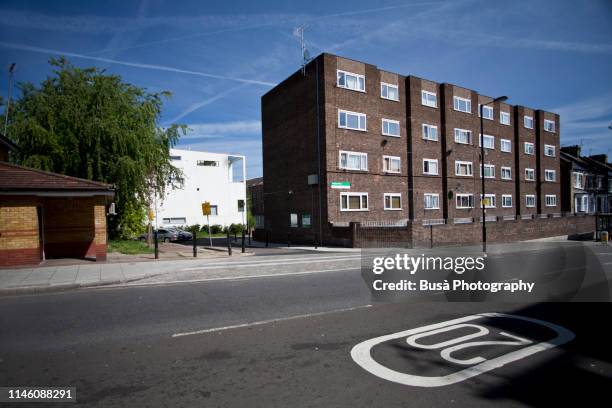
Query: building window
{"points": [[489, 171], [431, 201], [528, 122], [462, 104], [549, 150], [506, 173], [351, 120], [429, 99], [430, 132], [505, 145], [488, 201], [504, 118], [306, 221], [579, 180], [464, 201], [463, 136], [582, 203], [489, 141], [240, 205], [551, 200], [430, 166], [175, 220], [348, 80], [390, 127], [550, 175], [393, 201], [463, 168], [391, 164], [353, 161], [389, 91], [529, 174], [175, 158], [487, 111], [208, 163], [529, 148], [293, 220], [549, 125], [506, 200], [353, 201], [530, 200]]}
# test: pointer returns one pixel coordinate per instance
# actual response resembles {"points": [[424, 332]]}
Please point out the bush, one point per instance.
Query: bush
{"points": [[204, 228], [193, 228], [236, 228], [216, 229]]}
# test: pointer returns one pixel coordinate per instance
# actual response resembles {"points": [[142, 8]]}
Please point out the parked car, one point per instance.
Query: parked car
{"points": [[182, 234], [163, 235]]}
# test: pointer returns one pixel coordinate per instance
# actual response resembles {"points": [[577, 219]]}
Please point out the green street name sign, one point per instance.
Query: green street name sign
{"points": [[341, 184]]}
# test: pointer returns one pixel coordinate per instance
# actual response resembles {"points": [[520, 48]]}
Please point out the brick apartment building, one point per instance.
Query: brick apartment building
{"points": [[345, 142]]}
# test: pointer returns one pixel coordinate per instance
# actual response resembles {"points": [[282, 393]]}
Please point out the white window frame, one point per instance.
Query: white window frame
{"points": [[461, 131], [426, 134], [529, 144], [549, 147], [471, 168], [582, 203], [425, 100], [487, 111], [492, 199], [431, 161], [549, 122], [526, 119], [468, 104], [501, 145], [503, 115], [527, 171], [349, 153], [509, 170], [462, 207], [487, 137], [527, 197], [357, 76], [392, 158], [504, 198], [548, 172], [392, 195], [554, 199], [579, 180], [487, 166], [388, 85], [429, 198], [355, 194], [359, 115], [391, 121]]}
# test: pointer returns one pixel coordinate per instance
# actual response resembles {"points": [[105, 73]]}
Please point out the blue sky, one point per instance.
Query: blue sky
{"points": [[218, 58]]}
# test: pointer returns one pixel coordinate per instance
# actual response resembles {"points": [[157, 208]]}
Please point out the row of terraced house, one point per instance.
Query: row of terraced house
{"points": [[348, 146]]}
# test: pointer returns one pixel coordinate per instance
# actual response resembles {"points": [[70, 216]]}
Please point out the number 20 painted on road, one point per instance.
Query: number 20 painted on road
{"points": [[361, 353]]}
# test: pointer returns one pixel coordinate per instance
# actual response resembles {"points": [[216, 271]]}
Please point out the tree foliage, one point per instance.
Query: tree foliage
{"points": [[86, 123]]}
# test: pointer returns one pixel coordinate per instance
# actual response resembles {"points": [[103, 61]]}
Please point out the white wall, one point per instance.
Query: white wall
{"points": [[205, 183]]}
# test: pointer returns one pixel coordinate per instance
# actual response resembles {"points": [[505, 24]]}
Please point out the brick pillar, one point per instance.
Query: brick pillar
{"points": [[100, 230]]}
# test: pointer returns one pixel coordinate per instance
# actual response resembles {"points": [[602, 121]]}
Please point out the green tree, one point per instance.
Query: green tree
{"points": [[86, 123]]}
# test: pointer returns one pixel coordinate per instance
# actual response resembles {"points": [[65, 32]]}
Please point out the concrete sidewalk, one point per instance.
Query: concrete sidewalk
{"points": [[39, 279]]}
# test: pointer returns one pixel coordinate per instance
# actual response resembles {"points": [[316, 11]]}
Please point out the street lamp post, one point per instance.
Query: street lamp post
{"points": [[482, 171]]}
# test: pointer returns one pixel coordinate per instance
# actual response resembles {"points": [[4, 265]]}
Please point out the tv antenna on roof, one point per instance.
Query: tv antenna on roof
{"points": [[299, 32]]}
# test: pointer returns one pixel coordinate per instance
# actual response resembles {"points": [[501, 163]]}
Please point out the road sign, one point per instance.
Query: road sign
{"points": [[508, 350], [205, 208], [151, 214], [341, 184]]}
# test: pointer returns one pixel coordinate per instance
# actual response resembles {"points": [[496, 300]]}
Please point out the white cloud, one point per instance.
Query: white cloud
{"points": [[195, 106], [247, 127]]}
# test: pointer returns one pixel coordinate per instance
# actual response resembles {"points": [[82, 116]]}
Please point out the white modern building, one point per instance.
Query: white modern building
{"points": [[217, 178]]}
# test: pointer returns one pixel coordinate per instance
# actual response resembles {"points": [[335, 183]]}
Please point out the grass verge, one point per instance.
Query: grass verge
{"points": [[129, 247]]}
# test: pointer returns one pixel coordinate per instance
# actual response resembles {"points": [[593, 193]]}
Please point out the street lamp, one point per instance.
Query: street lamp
{"points": [[482, 172]]}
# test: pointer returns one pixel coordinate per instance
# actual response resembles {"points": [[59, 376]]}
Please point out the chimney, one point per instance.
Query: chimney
{"points": [[602, 158], [572, 150]]}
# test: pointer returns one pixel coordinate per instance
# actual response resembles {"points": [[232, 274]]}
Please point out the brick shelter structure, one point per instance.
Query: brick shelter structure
{"points": [[47, 215]]}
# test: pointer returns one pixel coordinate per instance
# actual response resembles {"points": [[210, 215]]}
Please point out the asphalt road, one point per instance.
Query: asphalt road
{"points": [[194, 344]]}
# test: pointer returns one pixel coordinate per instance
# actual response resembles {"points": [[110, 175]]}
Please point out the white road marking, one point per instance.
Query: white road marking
{"points": [[231, 278], [267, 262], [361, 353], [261, 322]]}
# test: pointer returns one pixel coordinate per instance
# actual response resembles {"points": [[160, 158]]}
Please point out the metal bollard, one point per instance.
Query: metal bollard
{"points": [[267, 238], [194, 238], [288, 240], [243, 241], [156, 244], [316, 240], [229, 244]]}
